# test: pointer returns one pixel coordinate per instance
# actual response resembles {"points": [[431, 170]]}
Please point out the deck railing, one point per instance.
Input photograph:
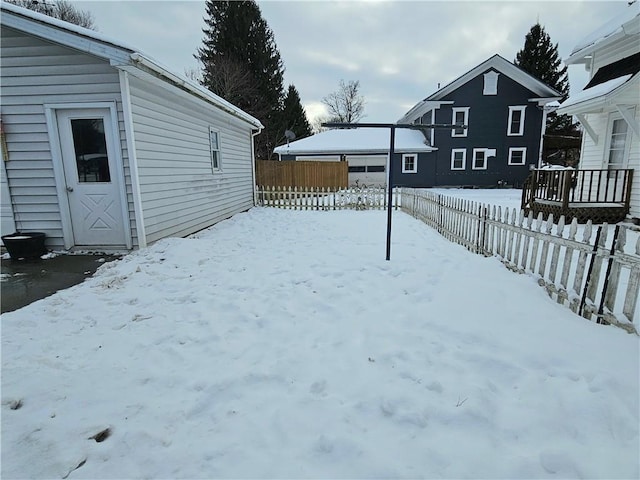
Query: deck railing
{"points": [[579, 187]]}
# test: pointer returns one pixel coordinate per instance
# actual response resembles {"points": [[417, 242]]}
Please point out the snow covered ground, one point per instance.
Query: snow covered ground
{"points": [[280, 344]]}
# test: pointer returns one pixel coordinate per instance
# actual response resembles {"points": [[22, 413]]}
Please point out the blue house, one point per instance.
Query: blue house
{"points": [[504, 110]]}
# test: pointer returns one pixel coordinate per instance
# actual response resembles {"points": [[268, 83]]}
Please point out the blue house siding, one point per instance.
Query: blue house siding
{"points": [[487, 128], [424, 177]]}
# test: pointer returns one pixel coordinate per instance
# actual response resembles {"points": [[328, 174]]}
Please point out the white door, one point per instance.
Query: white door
{"points": [[87, 142]]}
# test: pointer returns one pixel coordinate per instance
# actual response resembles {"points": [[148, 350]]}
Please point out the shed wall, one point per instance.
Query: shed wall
{"points": [[180, 193]]}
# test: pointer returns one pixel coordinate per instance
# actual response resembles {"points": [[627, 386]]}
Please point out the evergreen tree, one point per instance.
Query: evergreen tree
{"points": [[294, 117], [60, 9], [540, 58], [241, 63]]}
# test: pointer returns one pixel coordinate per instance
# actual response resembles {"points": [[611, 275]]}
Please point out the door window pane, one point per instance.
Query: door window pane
{"points": [[90, 146]]}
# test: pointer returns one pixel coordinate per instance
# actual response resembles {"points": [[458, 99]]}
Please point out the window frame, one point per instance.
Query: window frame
{"points": [[464, 158], [614, 117], [516, 108], [216, 160], [405, 156], [465, 111], [486, 157], [517, 149]]}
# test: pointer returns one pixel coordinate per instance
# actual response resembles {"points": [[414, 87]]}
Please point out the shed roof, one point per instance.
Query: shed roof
{"points": [[120, 54], [357, 140]]}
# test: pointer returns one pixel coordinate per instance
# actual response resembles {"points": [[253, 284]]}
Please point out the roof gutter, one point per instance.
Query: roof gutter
{"points": [[196, 90]]}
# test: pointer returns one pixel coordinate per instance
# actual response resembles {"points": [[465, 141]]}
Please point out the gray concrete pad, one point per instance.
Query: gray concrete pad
{"points": [[25, 281]]}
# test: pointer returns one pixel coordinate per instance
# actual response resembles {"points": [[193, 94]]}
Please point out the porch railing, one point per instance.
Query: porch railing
{"points": [[579, 188]]}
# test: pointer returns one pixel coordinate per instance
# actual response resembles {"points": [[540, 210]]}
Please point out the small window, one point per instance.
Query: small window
{"points": [[458, 159], [375, 168], [490, 83], [357, 169], [618, 144], [214, 144], [460, 116], [517, 155], [515, 126], [409, 163], [479, 159]]}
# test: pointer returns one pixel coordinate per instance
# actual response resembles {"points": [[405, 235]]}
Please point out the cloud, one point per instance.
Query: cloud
{"points": [[399, 50]]}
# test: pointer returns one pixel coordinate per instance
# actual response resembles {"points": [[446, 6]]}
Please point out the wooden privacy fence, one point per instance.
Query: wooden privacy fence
{"points": [[597, 278], [299, 198], [303, 174]]}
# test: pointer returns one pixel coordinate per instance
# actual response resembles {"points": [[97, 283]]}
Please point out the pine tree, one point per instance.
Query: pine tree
{"points": [[294, 117], [540, 58], [241, 63]]}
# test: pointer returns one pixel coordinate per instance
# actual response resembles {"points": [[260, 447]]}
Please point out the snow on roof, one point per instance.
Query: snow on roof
{"points": [[82, 31], [595, 91], [136, 55], [607, 31], [357, 140]]}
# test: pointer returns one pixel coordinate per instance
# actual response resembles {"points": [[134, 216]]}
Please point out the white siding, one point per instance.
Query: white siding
{"points": [[180, 194], [36, 72], [593, 155]]}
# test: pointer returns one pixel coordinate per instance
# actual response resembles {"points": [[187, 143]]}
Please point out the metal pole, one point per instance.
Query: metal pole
{"points": [[390, 189]]}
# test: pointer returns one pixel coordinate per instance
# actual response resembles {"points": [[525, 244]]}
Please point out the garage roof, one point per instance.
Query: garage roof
{"points": [[357, 140]]}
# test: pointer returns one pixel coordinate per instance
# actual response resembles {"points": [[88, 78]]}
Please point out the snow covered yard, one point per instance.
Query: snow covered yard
{"points": [[280, 344]]}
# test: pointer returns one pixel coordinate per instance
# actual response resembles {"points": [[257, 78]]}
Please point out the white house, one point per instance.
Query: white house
{"points": [[104, 148], [609, 106]]}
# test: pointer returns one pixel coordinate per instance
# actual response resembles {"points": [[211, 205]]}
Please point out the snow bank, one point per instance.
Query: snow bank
{"points": [[280, 344]]}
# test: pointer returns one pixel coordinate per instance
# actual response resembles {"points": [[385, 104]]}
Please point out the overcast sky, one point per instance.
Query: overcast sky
{"points": [[398, 50]]}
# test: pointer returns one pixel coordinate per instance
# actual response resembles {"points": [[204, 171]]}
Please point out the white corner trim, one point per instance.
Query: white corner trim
{"points": [[588, 128], [133, 159]]}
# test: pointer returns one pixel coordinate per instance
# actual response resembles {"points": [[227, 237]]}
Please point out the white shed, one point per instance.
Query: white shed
{"points": [[105, 148]]}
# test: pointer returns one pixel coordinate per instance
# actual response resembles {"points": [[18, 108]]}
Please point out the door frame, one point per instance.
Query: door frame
{"points": [[58, 166]]}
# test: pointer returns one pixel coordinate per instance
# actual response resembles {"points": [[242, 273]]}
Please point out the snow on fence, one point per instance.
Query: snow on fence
{"points": [[301, 198], [595, 277]]}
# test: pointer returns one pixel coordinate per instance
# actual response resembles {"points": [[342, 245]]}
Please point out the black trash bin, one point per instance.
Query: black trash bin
{"points": [[25, 244]]}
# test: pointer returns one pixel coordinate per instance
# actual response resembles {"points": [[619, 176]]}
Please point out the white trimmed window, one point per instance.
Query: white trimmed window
{"points": [[479, 159], [515, 125], [460, 116], [617, 143], [517, 155], [214, 145], [458, 159], [490, 83], [409, 163]]}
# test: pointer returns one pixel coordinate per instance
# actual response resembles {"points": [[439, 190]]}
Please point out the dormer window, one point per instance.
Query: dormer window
{"points": [[490, 83]]}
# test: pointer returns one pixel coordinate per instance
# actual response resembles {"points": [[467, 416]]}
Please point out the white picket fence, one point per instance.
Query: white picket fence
{"points": [[597, 276], [353, 198]]}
